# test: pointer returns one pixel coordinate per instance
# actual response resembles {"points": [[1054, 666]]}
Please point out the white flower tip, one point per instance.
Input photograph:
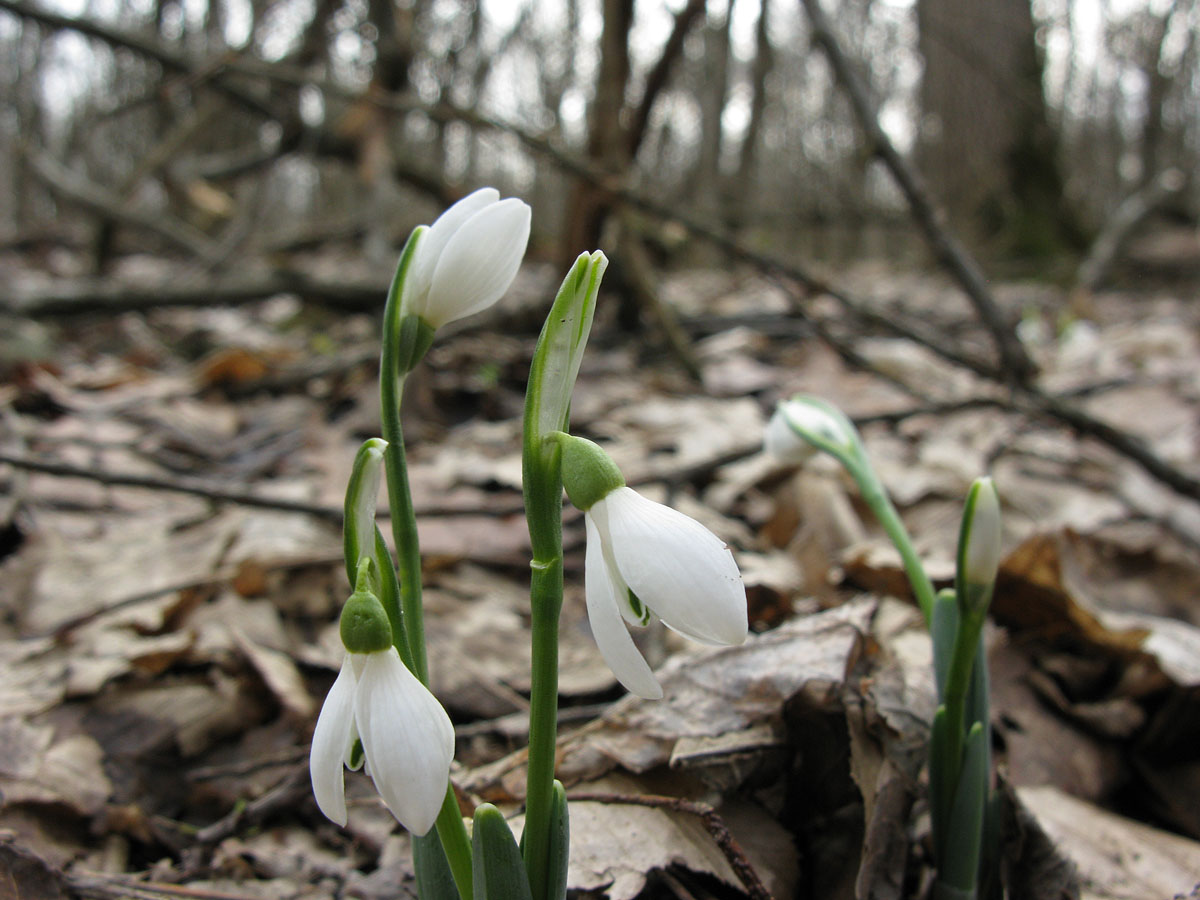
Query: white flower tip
{"points": [[650, 692], [781, 442], [474, 263], [984, 534], [798, 429]]}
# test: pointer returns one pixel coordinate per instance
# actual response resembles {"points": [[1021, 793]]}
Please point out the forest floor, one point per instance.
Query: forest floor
{"points": [[171, 581]]}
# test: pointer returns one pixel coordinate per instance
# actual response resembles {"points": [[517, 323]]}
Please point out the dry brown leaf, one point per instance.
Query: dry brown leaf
{"points": [[35, 767], [131, 558], [1041, 747], [1117, 859], [190, 713], [34, 676], [616, 847], [707, 693], [1033, 592], [280, 675]]}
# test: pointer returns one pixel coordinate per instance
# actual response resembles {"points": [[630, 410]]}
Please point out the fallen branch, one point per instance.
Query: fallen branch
{"points": [[108, 297], [189, 486], [71, 186], [1132, 212]]}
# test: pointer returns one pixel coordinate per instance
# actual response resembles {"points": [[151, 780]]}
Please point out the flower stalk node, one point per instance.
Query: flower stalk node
{"points": [[364, 625], [588, 473]]}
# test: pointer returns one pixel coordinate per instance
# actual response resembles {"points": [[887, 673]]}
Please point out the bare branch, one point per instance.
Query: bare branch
{"points": [[73, 187], [111, 297], [1132, 212], [147, 47]]}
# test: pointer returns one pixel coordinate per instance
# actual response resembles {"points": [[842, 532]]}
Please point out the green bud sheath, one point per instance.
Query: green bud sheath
{"points": [[588, 473], [364, 625], [416, 337]]}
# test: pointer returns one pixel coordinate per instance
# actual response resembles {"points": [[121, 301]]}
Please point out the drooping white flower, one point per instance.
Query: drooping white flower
{"points": [[800, 427], [407, 740], [644, 558], [467, 259]]}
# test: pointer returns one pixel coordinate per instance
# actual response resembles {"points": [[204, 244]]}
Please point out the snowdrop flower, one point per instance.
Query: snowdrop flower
{"points": [[467, 259], [979, 543], [802, 426], [646, 559], [377, 712]]}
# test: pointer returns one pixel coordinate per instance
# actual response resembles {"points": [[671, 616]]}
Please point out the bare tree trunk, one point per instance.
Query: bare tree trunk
{"points": [[705, 189], [988, 149], [743, 191], [606, 144]]}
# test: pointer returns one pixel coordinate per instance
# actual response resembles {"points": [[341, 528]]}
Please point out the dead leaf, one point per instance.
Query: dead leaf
{"points": [[23, 876], [707, 693], [1117, 859]]}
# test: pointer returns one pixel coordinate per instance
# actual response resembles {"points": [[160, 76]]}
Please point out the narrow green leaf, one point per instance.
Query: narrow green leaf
{"points": [[560, 845], [434, 879], [941, 790], [964, 837], [362, 493], [942, 630], [499, 871]]}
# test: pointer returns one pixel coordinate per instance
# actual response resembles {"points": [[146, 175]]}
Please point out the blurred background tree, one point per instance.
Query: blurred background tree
{"points": [[238, 130]]}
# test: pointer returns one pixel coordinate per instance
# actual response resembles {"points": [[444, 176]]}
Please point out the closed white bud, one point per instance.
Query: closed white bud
{"points": [[981, 534], [467, 259]]}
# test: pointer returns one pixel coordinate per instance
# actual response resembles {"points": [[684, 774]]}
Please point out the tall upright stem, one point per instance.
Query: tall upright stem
{"points": [[450, 827], [547, 410], [404, 519], [546, 592]]}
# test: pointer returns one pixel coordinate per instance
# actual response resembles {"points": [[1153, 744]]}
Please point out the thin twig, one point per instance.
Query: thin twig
{"points": [[285, 795], [713, 824], [160, 53], [178, 486], [123, 887]]}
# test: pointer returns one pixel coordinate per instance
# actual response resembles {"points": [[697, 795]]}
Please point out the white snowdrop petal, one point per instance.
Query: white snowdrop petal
{"points": [[479, 262], [620, 590], [433, 242], [328, 753], [408, 739], [678, 568], [783, 443], [608, 628]]}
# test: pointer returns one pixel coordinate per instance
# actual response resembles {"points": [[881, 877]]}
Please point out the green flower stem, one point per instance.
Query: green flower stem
{"points": [[451, 829], [546, 593], [552, 375], [404, 518], [404, 527], [543, 504], [877, 499]]}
